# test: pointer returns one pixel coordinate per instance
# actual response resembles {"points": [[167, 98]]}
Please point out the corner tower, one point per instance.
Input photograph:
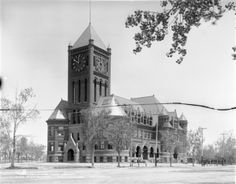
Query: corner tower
{"points": [[89, 69]]}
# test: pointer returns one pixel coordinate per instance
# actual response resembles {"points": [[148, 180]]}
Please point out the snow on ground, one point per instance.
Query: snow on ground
{"points": [[108, 173]]}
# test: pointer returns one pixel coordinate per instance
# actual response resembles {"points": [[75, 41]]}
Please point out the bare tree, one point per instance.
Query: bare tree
{"points": [[194, 140], [226, 147], [17, 112], [169, 142], [119, 132], [93, 128]]}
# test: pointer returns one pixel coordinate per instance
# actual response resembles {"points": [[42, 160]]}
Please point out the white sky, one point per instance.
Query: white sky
{"points": [[34, 40]]}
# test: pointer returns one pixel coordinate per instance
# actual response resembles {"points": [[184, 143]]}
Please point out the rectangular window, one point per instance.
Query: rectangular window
{"points": [[60, 128], [101, 159], [51, 147], [60, 133], [109, 159], [60, 147], [102, 145], [51, 131]]}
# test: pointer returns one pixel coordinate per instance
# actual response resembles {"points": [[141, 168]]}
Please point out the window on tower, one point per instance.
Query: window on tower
{"points": [[73, 92], [79, 91], [85, 89], [100, 88], [105, 89], [95, 90]]}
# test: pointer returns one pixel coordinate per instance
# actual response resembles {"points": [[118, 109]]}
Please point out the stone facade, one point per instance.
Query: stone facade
{"points": [[89, 76]]}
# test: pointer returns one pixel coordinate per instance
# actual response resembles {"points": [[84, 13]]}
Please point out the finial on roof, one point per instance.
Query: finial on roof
{"points": [[89, 11]]}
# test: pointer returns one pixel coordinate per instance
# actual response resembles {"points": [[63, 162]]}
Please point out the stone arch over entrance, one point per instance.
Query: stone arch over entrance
{"points": [[145, 153], [70, 155], [138, 151]]}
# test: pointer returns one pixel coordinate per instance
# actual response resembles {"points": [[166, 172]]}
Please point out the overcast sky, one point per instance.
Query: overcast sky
{"points": [[34, 40]]}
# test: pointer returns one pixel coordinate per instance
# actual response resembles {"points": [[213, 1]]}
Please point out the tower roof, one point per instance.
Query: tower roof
{"points": [[182, 117], [59, 112], [89, 33]]}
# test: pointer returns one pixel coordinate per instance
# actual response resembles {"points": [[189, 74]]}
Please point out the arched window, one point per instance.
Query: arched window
{"points": [[78, 116], [151, 121], [79, 91], [95, 146], [109, 146], [95, 89], [105, 89], [100, 88], [78, 137], [145, 119], [73, 117], [85, 89], [73, 92]]}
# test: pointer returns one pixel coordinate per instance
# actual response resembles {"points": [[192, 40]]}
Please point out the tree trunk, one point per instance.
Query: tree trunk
{"points": [[118, 158], [13, 146], [193, 160], [92, 155], [170, 160]]}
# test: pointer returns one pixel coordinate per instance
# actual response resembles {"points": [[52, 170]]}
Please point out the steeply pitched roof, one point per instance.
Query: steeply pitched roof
{"points": [[182, 117], [164, 111], [173, 114], [149, 104], [89, 33], [124, 101], [59, 112], [111, 105]]}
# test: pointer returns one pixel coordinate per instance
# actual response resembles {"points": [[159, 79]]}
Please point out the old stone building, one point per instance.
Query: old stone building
{"points": [[89, 81]]}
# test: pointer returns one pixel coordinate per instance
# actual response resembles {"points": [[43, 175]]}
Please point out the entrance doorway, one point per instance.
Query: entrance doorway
{"points": [[145, 153], [70, 155]]}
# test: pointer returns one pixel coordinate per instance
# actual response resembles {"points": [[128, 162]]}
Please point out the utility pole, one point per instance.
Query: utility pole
{"points": [[156, 142], [201, 129], [131, 137], [223, 145]]}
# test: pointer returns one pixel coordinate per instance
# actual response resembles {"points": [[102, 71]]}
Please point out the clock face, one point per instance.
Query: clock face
{"points": [[79, 62], [101, 65]]}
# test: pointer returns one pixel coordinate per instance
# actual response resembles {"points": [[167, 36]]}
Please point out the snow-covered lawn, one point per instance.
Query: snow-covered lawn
{"points": [[80, 173]]}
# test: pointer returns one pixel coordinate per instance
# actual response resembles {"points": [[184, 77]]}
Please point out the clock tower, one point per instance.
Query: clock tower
{"points": [[89, 69]]}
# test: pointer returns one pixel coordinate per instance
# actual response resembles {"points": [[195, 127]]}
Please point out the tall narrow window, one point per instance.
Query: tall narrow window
{"points": [[85, 89], [73, 117], [95, 90], [79, 91], [105, 89], [100, 88], [73, 92]]}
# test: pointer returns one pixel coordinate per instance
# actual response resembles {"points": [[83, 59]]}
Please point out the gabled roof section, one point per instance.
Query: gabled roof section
{"points": [[124, 102], [164, 112], [167, 125], [149, 104], [173, 114], [89, 33], [182, 117], [59, 112], [111, 105]]}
